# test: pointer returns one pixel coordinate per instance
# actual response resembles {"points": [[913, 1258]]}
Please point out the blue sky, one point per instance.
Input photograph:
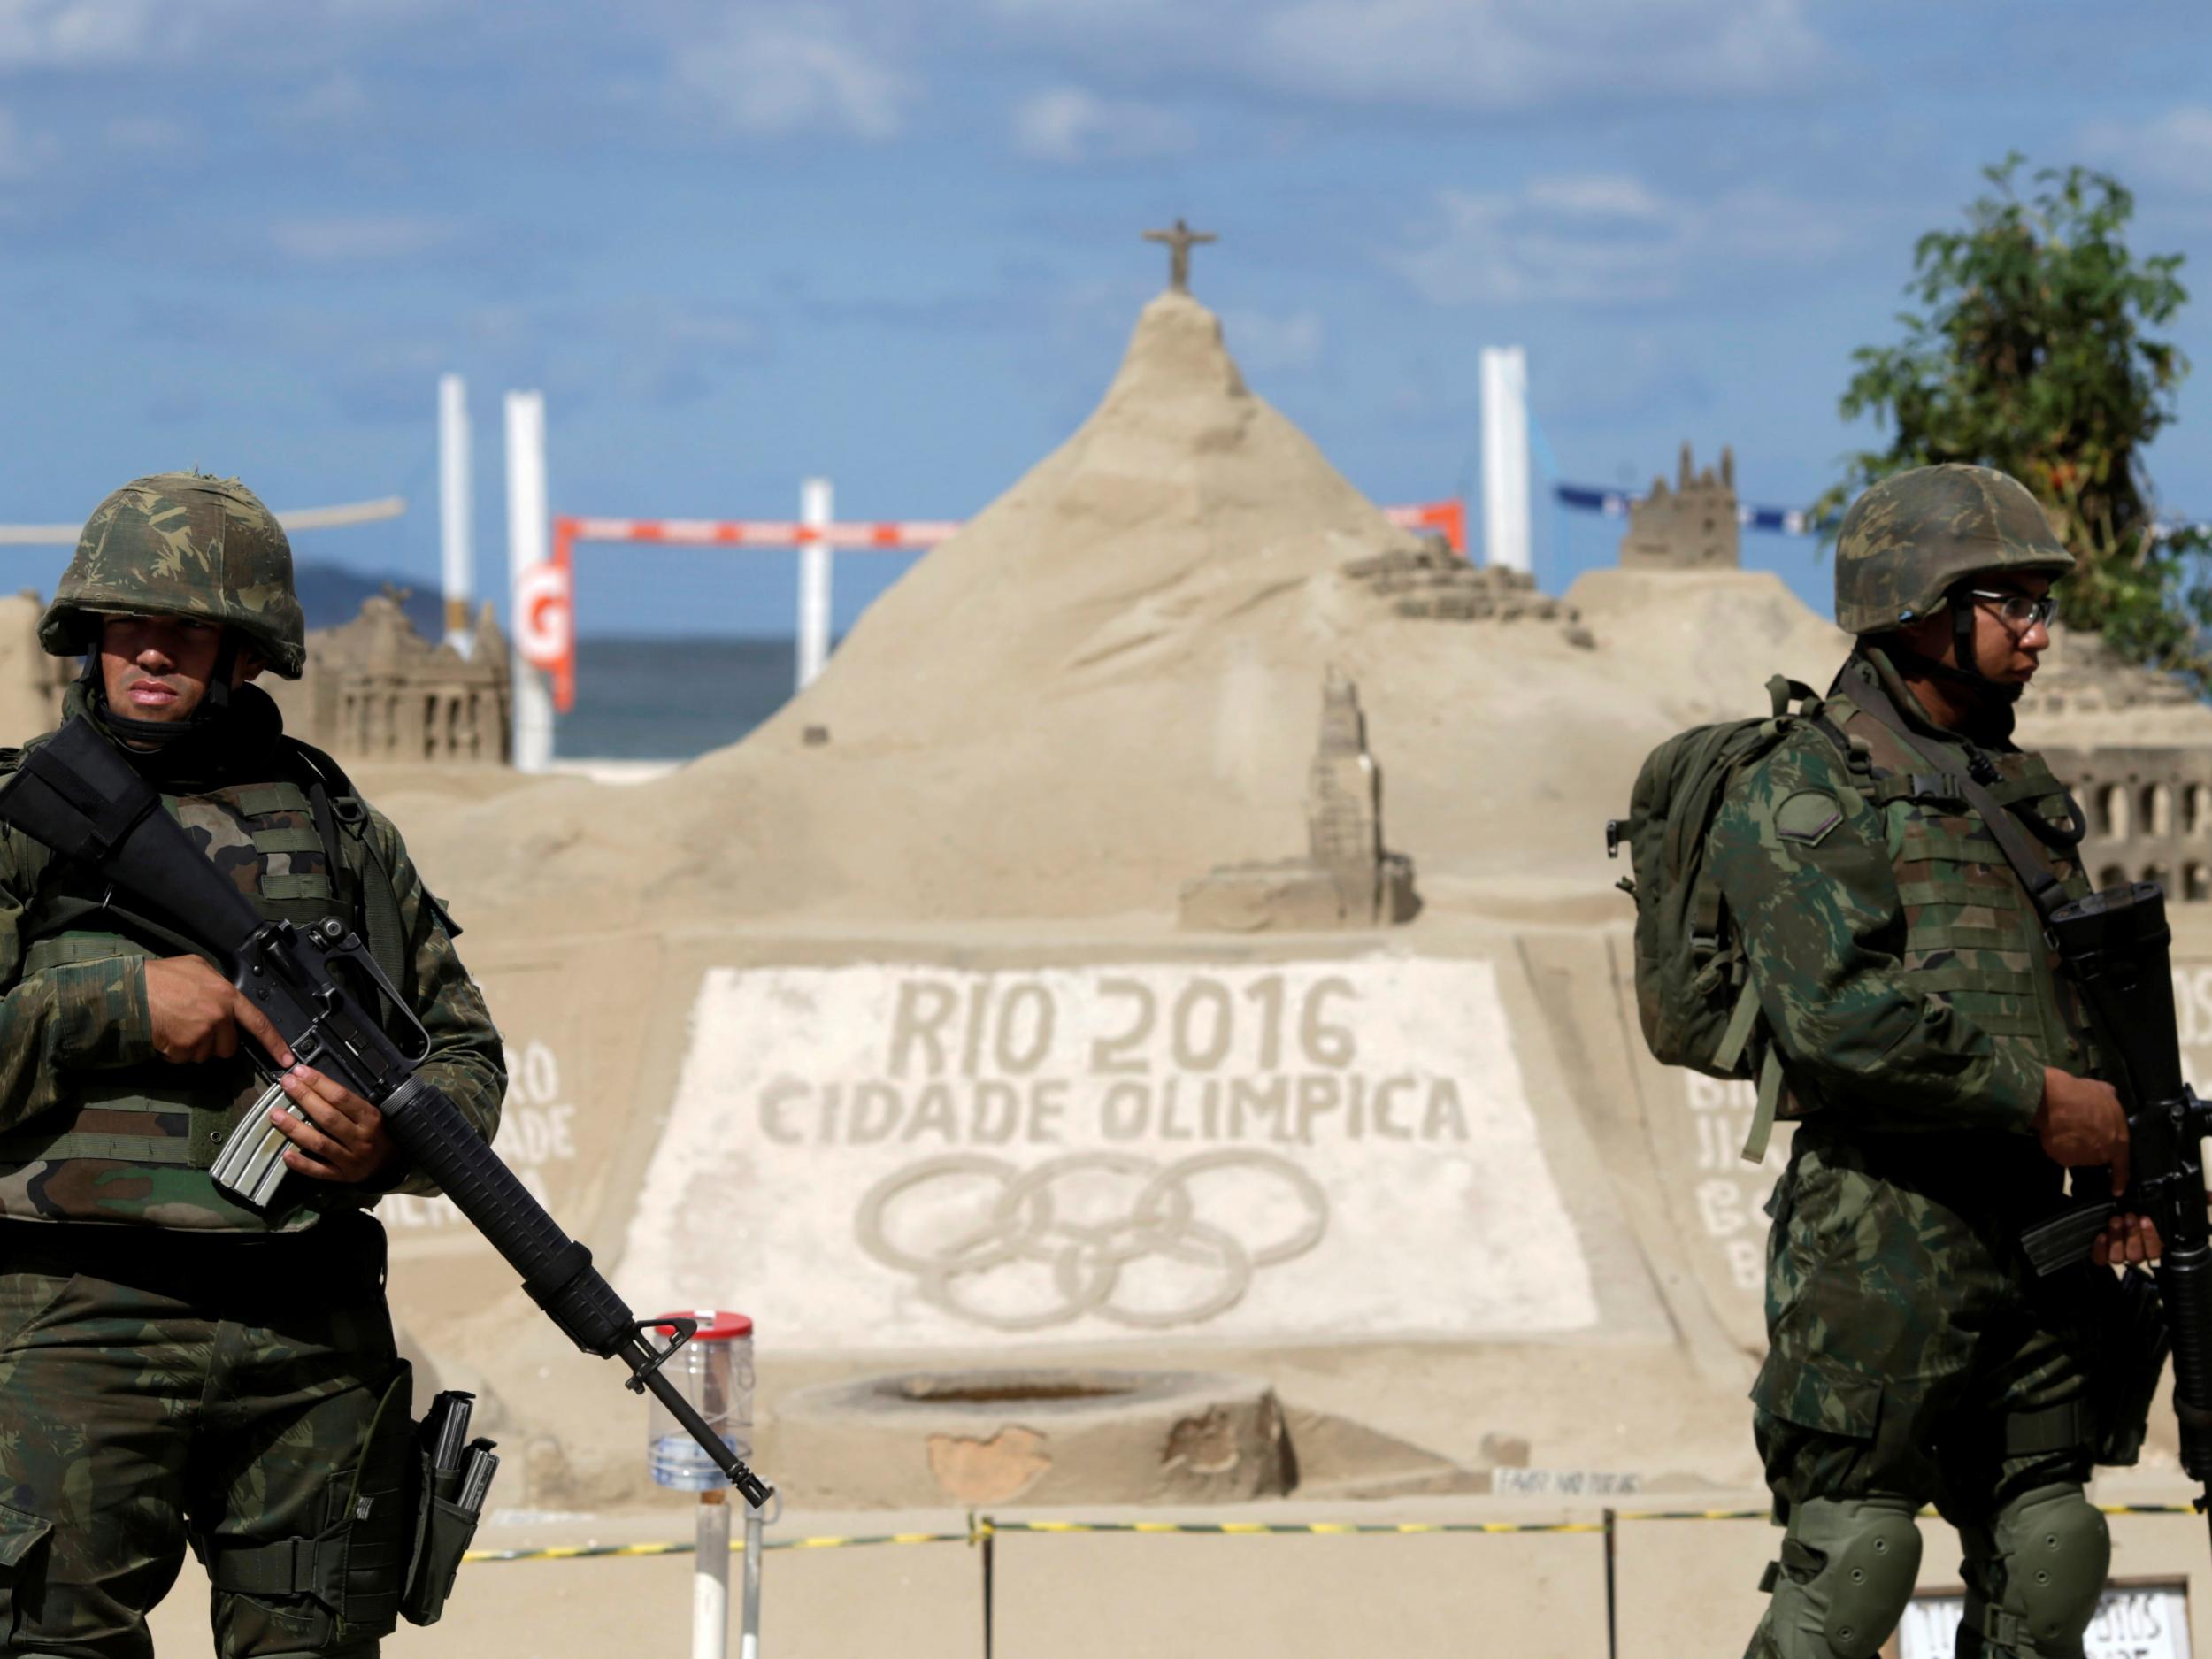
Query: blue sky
{"points": [[895, 242]]}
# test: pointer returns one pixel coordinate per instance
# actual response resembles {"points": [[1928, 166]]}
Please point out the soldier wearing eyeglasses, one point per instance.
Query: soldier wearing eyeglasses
{"points": [[1941, 1074]]}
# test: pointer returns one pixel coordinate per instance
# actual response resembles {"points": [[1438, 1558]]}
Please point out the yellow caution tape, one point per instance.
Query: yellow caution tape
{"points": [[587, 1552], [981, 1527], [1293, 1529], [1928, 1512]]}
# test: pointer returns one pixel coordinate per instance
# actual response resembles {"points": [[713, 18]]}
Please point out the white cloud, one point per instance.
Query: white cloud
{"points": [[1266, 344], [1068, 124], [241, 34], [2173, 150], [798, 67], [62, 32], [1596, 197], [1601, 239], [359, 239], [1473, 55]]}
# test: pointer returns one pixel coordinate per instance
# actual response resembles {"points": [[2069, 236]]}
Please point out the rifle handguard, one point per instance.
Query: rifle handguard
{"points": [[556, 1270]]}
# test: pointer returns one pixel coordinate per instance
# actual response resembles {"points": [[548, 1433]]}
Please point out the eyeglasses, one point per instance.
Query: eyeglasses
{"points": [[2020, 611]]}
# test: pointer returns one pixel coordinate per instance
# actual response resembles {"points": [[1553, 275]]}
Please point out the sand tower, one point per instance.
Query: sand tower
{"points": [[1690, 527]]}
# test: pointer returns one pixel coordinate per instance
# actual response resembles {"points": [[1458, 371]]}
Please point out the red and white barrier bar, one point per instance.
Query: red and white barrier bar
{"points": [[545, 629], [1448, 518], [914, 534]]}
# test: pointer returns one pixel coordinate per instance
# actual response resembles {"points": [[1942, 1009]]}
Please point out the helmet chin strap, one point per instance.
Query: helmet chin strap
{"points": [[214, 705], [1968, 672]]}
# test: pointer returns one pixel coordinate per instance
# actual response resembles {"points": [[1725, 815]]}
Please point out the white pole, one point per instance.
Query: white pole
{"points": [[1505, 493], [749, 1626], [711, 1578], [816, 513], [456, 510], [528, 523]]}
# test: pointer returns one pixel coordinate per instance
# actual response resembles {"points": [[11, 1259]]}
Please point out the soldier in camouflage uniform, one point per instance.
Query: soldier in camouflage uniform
{"points": [[1940, 1067], [176, 1368]]}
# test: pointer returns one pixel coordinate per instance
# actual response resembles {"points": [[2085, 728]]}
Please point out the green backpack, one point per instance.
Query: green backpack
{"points": [[1693, 992]]}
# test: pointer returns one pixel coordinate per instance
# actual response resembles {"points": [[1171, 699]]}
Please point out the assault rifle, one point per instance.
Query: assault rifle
{"points": [[326, 995], [2115, 947]]}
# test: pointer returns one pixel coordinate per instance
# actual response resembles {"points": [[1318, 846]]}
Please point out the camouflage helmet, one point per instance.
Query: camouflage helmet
{"points": [[181, 544], [1909, 537]]}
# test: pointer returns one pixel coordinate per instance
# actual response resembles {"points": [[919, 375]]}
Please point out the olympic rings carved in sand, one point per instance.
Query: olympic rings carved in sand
{"points": [[1027, 1224]]}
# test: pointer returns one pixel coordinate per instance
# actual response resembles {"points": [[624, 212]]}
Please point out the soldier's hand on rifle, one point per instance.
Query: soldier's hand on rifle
{"points": [[344, 1138], [2081, 1123], [2127, 1239], [197, 1013]]}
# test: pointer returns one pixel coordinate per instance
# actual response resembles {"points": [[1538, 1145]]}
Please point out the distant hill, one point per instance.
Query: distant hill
{"points": [[332, 595]]}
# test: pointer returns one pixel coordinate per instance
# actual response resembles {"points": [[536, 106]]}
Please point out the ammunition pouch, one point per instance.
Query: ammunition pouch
{"points": [[443, 1530], [354, 1567]]}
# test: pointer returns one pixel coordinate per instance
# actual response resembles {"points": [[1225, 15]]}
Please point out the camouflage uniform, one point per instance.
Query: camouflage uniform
{"points": [[175, 1367], [1904, 980]]}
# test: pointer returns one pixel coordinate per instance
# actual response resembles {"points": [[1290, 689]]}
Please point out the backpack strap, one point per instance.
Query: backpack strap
{"points": [[1745, 1016], [1755, 1143], [1741, 1022], [2044, 888]]}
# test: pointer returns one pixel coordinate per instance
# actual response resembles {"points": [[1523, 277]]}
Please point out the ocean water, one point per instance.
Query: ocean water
{"points": [[672, 699]]}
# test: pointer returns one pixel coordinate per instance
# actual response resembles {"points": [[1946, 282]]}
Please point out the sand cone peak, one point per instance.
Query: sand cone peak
{"points": [[1104, 685], [1176, 350]]}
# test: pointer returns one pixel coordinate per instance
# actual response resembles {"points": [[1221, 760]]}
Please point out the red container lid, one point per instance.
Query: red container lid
{"points": [[713, 1326]]}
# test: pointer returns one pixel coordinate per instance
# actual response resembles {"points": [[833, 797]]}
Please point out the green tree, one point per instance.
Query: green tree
{"points": [[2030, 351]]}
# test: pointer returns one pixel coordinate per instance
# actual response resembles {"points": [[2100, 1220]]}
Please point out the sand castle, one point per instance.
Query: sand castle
{"points": [[376, 690], [1691, 527]]}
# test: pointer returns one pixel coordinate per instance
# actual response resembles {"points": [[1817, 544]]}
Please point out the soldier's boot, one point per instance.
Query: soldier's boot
{"points": [[1846, 1572], [2033, 1576]]}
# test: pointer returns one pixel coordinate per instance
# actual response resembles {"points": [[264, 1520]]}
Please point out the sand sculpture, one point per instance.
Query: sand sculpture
{"points": [[1106, 681], [1347, 879], [1690, 527], [1429, 582], [376, 690], [2136, 749]]}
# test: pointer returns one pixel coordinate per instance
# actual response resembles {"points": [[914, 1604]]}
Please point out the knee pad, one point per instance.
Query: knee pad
{"points": [[1846, 1572], [2034, 1574]]}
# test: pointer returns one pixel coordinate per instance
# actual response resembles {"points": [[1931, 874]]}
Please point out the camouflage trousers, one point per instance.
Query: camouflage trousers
{"points": [[234, 1394], [1912, 1352]]}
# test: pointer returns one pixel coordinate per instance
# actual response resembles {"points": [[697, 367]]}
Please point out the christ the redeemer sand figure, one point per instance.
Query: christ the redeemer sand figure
{"points": [[1179, 241]]}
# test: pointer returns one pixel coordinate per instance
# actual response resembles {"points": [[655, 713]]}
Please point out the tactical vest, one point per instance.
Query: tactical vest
{"points": [[1972, 935], [135, 1144]]}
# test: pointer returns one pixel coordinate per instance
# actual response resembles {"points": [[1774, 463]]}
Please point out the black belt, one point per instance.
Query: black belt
{"points": [[343, 1255]]}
